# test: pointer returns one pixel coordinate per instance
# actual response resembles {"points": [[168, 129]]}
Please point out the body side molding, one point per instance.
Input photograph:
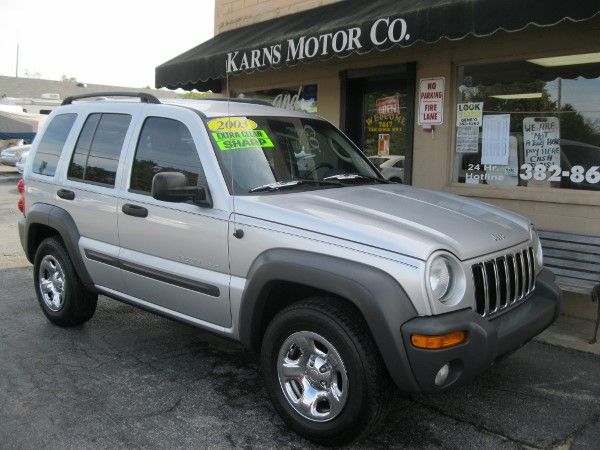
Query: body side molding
{"points": [[159, 275]]}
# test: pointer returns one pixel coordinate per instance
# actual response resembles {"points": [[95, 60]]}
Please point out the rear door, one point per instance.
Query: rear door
{"points": [[87, 188], [173, 255]]}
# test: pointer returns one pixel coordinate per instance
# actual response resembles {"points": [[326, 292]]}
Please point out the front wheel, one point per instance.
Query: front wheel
{"points": [[323, 372]]}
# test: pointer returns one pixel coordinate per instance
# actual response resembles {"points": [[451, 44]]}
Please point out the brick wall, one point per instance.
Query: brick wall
{"points": [[231, 14]]}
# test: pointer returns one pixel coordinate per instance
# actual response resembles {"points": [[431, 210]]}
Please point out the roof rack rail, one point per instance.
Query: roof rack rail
{"points": [[143, 96], [253, 101]]}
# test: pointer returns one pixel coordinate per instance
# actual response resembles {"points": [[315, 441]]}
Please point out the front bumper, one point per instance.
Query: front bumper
{"points": [[487, 340]]}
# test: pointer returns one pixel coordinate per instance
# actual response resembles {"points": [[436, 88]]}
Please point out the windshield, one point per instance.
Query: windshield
{"points": [[281, 152]]}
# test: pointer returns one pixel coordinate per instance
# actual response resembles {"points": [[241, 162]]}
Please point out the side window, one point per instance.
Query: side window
{"points": [[98, 148], [164, 145], [50, 147]]}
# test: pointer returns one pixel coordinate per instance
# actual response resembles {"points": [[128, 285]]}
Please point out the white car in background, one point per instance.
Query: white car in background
{"points": [[391, 167], [20, 164], [11, 155]]}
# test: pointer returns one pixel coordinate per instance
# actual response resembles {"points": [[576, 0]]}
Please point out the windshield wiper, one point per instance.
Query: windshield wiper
{"points": [[293, 183], [355, 176]]}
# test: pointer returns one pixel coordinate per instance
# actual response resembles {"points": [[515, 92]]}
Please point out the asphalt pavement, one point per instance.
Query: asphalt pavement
{"points": [[130, 379]]}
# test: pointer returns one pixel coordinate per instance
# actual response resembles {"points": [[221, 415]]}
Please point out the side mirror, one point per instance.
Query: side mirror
{"points": [[173, 187]]}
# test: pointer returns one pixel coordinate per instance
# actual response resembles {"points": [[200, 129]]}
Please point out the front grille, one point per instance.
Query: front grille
{"points": [[501, 282]]}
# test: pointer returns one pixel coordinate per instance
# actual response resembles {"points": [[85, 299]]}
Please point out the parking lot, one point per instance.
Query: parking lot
{"points": [[132, 379]]}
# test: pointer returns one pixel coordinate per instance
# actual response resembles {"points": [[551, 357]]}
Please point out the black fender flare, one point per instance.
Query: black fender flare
{"points": [[384, 304], [61, 221]]}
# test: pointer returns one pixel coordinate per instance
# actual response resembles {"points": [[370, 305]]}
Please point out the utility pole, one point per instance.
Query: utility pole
{"points": [[17, 67]]}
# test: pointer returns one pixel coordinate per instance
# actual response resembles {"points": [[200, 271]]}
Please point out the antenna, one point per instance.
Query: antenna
{"points": [[238, 233], [17, 65]]}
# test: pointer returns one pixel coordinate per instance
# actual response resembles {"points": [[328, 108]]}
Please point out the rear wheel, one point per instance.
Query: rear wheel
{"points": [[323, 372], [64, 299]]}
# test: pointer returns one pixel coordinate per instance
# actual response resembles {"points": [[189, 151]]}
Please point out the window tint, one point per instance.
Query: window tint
{"points": [[165, 145], [98, 148], [51, 145]]}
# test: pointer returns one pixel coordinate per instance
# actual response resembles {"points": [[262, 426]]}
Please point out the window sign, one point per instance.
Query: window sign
{"points": [[297, 98], [388, 105], [384, 123], [494, 148], [469, 114], [540, 124], [541, 138], [467, 140], [383, 143], [431, 101]]}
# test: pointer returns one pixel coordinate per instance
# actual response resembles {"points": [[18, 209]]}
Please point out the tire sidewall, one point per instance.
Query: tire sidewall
{"points": [[51, 246], [306, 319]]}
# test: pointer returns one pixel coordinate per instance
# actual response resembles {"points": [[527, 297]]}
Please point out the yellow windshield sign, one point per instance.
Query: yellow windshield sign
{"points": [[235, 140], [231, 124]]}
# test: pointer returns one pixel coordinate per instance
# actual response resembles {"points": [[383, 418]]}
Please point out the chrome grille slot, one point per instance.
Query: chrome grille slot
{"points": [[521, 274], [502, 282], [492, 284]]}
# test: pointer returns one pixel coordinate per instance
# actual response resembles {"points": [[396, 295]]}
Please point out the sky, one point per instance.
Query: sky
{"points": [[114, 42]]}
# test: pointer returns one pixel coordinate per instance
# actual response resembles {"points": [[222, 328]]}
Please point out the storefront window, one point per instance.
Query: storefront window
{"points": [[295, 98], [530, 123]]}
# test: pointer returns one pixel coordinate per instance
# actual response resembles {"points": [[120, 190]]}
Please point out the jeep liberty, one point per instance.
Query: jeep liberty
{"points": [[270, 227]]}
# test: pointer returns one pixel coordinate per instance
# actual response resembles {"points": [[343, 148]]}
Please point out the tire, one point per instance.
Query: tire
{"points": [[359, 388], [63, 298]]}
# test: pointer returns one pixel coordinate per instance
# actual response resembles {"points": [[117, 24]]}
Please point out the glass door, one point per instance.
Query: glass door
{"points": [[379, 118]]}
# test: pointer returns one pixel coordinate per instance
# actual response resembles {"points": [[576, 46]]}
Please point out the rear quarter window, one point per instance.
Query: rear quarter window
{"points": [[52, 143]]}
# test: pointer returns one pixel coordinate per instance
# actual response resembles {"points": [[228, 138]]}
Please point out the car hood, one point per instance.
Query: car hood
{"points": [[394, 217]]}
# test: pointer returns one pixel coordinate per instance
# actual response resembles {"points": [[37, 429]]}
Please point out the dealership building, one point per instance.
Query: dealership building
{"points": [[495, 100]]}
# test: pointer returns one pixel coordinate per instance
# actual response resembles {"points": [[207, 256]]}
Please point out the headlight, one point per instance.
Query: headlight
{"points": [[446, 279], [537, 250], [440, 277]]}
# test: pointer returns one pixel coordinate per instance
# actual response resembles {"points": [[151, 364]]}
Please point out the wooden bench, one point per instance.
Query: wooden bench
{"points": [[575, 259]]}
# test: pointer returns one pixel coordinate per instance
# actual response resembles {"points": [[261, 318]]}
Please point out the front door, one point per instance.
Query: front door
{"points": [[173, 255], [379, 119]]}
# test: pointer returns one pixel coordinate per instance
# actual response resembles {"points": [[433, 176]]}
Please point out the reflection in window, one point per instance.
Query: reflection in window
{"points": [[165, 145], [51, 145], [297, 149], [96, 155], [540, 124]]}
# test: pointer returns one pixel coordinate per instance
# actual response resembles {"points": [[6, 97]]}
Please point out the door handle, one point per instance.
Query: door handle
{"points": [[134, 210], [66, 194]]}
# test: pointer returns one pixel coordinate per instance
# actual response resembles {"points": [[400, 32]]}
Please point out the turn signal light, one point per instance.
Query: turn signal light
{"points": [[21, 204], [440, 341], [21, 201]]}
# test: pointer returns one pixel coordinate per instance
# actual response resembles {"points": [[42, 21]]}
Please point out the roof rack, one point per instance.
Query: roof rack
{"points": [[143, 96], [253, 101]]}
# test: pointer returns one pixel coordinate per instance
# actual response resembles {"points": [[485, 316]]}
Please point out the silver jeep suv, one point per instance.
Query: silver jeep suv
{"points": [[270, 227]]}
